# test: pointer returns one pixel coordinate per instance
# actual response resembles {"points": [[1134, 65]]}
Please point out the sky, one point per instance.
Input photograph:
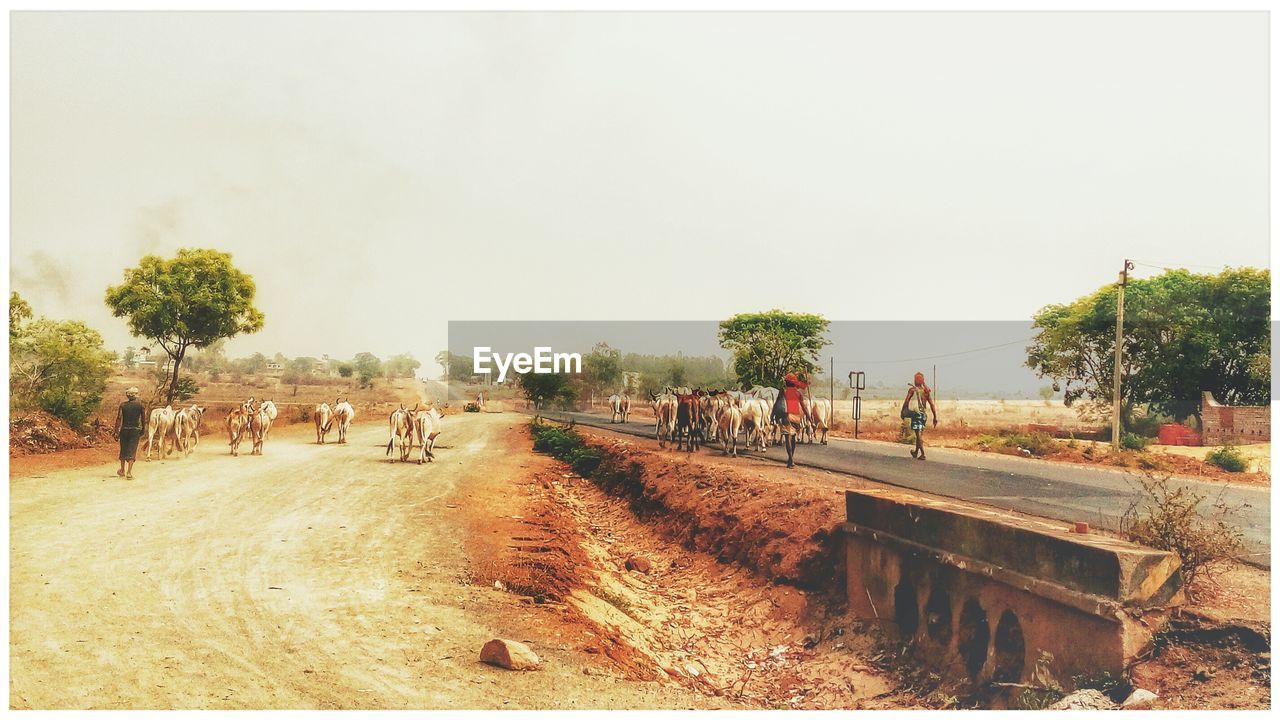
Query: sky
{"points": [[383, 174]]}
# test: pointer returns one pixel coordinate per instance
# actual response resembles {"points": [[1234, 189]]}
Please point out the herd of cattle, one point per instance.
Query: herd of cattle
{"points": [[692, 417], [410, 426], [179, 431]]}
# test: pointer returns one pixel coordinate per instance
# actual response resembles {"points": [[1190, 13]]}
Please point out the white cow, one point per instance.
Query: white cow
{"points": [[261, 425], [427, 425], [324, 419], [664, 412], [755, 423], [160, 426], [728, 423], [343, 414], [186, 428], [621, 406], [401, 426], [818, 418]]}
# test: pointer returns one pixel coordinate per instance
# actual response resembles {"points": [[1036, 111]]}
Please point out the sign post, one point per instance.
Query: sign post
{"points": [[857, 381]]}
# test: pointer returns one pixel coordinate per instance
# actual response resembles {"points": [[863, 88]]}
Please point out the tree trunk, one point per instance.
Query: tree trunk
{"points": [[173, 381]]}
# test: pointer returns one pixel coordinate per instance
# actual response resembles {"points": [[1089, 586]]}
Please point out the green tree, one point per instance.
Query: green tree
{"points": [[19, 314], [768, 345], [346, 370], [188, 301], [368, 367], [602, 369], [60, 367], [401, 366], [547, 389], [297, 370], [1184, 333]]}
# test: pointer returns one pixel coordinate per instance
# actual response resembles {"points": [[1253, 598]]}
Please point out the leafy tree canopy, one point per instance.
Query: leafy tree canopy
{"points": [[190, 300], [768, 345], [1183, 333]]}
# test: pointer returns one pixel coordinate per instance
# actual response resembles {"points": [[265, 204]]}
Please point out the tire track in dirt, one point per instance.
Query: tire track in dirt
{"points": [[309, 577]]}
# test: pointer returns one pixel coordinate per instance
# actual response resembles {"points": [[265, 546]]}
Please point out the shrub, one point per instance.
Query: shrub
{"points": [[1170, 519], [1038, 444], [1133, 441], [58, 366], [1228, 458]]}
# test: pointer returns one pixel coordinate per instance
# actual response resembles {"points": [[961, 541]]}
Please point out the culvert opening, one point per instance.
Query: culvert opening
{"points": [[905, 610], [973, 637], [937, 614], [1010, 649]]}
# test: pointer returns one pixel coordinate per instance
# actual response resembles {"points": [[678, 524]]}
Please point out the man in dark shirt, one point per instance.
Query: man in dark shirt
{"points": [[129, 426]]}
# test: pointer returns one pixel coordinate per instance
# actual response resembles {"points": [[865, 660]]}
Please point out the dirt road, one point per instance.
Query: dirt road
{"points": [[309, 577]]}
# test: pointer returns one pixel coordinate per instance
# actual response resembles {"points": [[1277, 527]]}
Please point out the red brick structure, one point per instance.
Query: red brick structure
{"points": [[1234, 423]]}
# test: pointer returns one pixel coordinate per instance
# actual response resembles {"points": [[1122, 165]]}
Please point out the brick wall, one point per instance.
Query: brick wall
{"points": [[1234, 423]]}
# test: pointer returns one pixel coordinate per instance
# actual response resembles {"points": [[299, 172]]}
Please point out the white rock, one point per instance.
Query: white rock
{"points": [[1139, 699], [509, 654], [1084, 700]]}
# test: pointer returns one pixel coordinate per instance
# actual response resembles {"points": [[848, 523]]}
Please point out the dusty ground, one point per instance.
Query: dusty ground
{"points": [[309, 577], [1218, 657]]}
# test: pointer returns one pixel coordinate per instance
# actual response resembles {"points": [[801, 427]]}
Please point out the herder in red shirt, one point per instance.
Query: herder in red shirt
{"points": [[797, 407]]}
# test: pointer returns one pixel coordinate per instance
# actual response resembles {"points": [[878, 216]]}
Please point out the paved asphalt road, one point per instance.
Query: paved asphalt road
{"points": [[1054, 490]]}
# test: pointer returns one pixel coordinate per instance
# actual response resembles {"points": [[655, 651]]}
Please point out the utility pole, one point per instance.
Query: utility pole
{"points": [[1115, 381], [833, 386]]}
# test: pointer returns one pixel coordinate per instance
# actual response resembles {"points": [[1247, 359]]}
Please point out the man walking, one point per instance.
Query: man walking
{"points": [[923, 399], [129, 428], [797, 408]]}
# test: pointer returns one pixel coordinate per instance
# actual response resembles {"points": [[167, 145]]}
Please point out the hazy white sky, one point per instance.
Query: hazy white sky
{"points": [[381, 174]]}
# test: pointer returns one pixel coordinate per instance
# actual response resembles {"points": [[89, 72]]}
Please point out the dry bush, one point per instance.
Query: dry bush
{"points": [[1170, 519]]}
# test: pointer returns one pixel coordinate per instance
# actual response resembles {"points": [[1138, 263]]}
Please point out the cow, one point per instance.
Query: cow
{"points": [[343, 414], [621, 407], [755, 423], [818, 418], [324, 419], [664, 412], [269, 415], [688, 428], [237, 426], [709, 405], [728, 423], [401, 426], [427, 425], [160, 426], [186, 428]]}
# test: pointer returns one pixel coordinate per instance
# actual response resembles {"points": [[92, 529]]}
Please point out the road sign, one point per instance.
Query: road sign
{"points": [[857, 381]]}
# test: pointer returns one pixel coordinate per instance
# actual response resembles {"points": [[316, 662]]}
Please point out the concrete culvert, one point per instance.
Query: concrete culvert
{"points": [[905, 608], [1010, 649], [937, 616], [974, 635]]}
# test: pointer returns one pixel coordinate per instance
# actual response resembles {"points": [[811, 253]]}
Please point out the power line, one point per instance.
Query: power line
{"points": [[935, 357], [1176, 266]]}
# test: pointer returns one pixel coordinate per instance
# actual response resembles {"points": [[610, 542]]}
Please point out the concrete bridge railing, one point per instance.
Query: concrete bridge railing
{"points": [[989, 596]]}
